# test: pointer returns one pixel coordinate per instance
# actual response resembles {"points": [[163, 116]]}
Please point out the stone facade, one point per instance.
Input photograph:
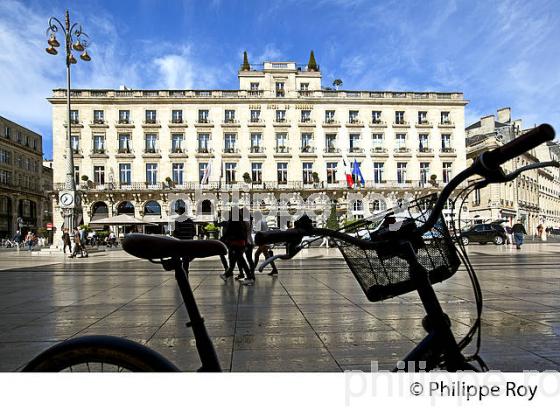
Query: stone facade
{"points": [[281, 131], [534, 197], [22, 195]]}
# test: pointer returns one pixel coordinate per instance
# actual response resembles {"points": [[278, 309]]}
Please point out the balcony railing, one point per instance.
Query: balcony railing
{"points": [[282, 150], [230, 150], [401, 150], [307, 149], [150, 122], [203, 150], [98, 121], [257, 150], [378, 150], [331, 150], [447, 150], [356, 150]]}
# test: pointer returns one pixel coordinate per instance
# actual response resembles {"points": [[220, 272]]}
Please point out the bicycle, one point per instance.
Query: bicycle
{"points": [[368, 247]]}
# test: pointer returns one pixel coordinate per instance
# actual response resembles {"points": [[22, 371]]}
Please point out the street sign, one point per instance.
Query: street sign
{"points": [[49, 226]]}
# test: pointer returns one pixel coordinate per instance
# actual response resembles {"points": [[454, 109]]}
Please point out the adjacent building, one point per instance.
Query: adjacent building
{"points": [[23, 197], [280, 132], [534, 197]]}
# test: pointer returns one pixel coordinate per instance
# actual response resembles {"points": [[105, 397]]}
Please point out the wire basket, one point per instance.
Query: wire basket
{"points": [[383, 275]]}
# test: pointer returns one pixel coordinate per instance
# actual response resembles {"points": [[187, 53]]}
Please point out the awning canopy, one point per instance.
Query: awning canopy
{"points": [[122, 219]]}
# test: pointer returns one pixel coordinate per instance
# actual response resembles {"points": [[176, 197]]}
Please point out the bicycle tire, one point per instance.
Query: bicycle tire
{"points": [[101, 352]]}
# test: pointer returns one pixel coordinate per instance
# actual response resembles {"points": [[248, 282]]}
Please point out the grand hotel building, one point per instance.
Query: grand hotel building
{"points": [[282, 131]]}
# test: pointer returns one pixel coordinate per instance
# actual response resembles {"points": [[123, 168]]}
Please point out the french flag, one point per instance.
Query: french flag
{"points": [[348, 173]]}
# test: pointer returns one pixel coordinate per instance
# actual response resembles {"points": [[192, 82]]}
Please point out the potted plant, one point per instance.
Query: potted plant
{"points": [[85, 180], [211, 230], [247, 178], [170, 182], [433, 180], [315, 177]]}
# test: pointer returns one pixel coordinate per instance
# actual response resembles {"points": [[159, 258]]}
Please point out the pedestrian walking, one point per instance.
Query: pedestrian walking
{"points": [[518, 233], [29, 239], [78, 246], [184, 228], [235, 238], [17, 239], [66, 241], [324, 242], [264, 250]]}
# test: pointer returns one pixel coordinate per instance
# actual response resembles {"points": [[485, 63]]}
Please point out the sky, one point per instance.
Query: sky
{"points": [[502, 53]]}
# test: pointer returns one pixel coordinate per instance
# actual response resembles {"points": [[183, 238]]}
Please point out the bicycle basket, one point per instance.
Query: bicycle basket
{"points": [[384, 276]]}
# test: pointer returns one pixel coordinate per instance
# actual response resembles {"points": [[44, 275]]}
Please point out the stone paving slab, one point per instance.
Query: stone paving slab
{"points": [[312, 317]]}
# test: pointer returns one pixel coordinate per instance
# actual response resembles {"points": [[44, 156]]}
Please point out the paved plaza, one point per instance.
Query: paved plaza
{"points": [[313, 317]]}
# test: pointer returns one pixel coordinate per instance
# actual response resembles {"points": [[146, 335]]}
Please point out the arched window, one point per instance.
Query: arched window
{"points": [[125, 207], [179, 207], [206, 207], [378, 205], [99, 210], [152, 208], [358, 205]]}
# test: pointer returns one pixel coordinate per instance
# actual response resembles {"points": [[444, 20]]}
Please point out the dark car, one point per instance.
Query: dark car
{"points": [[484, 233]]}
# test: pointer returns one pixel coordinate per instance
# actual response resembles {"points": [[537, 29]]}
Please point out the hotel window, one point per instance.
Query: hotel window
{"points": [[18, 137], [399, 117], [401, 141], [422, 117], [151, 140], [280, 89], [35, 144], [75, 142], [304, 87], [5, 177], [151, 174], [282, 172], [202, 170], [74, 117], [306, 138], [378, 172], [256, 139], [254, 86], [98, 117], [229, 143], [424, 173], [230, 172], [281, 142], [76, 174], [329, 116], [446, 142], [445, 117], [305, 115], [423, 143], [255, 115], [229, 116], [447, 174], [99, 144], [331, 172], [353, 117], [256, 172], [150, 116], [124, 144], [203, 146], [99, 175], [203, 116], [354, 142], [7, 132], [307, 172], [124, 117], [125, 174], [176, 143], [401, 172], [177, 116], [376, 117], [280, 115], [330, 142], [377, 141], [177, 173]]}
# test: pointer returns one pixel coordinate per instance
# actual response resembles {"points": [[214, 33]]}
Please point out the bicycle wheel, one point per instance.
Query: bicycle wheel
{"points": [[99, 354]]}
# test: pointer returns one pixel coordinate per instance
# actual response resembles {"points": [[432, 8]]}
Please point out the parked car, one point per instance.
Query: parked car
{"points": [[484, 233]]}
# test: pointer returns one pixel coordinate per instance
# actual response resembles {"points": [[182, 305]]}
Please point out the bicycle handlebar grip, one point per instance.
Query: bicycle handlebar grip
{"points": [[268, 237], [534, 138]]}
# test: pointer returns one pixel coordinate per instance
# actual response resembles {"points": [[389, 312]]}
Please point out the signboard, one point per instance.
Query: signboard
{"points": [[49, 226]]}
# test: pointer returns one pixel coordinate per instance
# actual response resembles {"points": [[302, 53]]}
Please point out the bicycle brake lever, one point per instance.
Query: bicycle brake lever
{"points": [[512, 175]]}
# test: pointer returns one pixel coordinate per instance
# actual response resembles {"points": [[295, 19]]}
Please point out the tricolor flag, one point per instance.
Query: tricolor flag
{"points": [[357, 174], [348, 173], [206, 174]]}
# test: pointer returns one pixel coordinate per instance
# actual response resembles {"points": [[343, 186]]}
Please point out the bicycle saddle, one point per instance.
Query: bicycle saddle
{"points": [[162, 247]]}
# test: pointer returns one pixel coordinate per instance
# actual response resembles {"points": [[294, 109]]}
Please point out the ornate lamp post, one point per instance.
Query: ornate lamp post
{"points": [[76, 39]]}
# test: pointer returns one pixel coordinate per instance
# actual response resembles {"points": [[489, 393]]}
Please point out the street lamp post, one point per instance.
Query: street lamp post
{"points": [[76, 39]]}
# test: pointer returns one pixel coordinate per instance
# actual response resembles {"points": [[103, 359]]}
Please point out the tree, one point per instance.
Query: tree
{"points": [[337, 83], [312, 64], [245, 66], [247, 178], [332, 220]]}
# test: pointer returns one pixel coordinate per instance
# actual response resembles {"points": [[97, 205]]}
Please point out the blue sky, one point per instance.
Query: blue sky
{"points": [[499, 53]]}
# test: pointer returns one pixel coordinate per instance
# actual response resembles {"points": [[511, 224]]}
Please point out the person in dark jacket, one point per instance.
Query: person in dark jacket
{"points": [[518, 233], [66, 241], [234, 236], [184, 229]]}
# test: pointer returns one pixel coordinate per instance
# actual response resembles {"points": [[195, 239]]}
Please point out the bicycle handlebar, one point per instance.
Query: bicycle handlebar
{"points": [[532, 139], [269, 237]]}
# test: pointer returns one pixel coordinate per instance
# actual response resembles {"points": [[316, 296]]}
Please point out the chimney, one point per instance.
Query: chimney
{"points": [[487, 124], [504, 115]]}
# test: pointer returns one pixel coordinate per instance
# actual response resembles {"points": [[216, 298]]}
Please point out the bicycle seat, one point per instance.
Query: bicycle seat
{"points": [[162, 247]]}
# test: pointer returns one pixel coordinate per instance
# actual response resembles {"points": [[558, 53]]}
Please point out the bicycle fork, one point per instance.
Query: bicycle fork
{"points": [[204, 345], [440, 338]]}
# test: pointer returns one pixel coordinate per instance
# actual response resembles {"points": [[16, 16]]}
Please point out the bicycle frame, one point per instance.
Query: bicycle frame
{"points": [[204, 345]]}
